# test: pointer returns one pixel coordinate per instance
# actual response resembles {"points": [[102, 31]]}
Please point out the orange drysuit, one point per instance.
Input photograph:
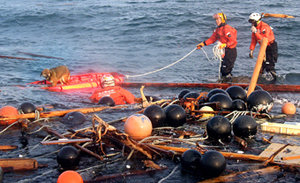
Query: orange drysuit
{"points": [[118, 94], [225, 34], [263, 30]]}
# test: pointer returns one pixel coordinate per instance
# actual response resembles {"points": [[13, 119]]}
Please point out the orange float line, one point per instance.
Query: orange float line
{"points": [[276, 15]]}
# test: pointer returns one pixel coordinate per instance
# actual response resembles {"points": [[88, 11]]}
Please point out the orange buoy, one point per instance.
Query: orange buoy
{"points": [[70, 176], [8, 111], [288, 108], [138, 126]]}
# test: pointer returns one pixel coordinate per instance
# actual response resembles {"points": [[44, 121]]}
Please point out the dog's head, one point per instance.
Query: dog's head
{"points": [[46, 74]]}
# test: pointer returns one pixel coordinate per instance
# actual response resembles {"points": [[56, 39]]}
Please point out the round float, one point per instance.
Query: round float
{"points": [[224, 100], [156, 115], [239, 105], [70, 176], [138, 126], [74, 118], [175, 115], [236, 92], [244, 126], [218, 127], [288, 108], [68, 157], [206, 115], [260, 101], [212, 164], [6, 112], [182, 93], [190, 161], [106, 100], [215, 91], [27, 107]]}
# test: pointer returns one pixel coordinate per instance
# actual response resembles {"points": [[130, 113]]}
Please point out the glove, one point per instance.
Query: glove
{"points": [[253, 29], [251, 54], [200, 45], [223, 45]]}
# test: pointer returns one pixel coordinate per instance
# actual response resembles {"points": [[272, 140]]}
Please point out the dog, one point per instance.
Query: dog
{"points": [[53, 75]]}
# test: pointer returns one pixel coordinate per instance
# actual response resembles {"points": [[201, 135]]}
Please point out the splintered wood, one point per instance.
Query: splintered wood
{"points": [[288, 155]]}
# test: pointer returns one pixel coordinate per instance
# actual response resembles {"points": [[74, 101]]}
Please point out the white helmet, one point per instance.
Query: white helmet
{"points": [[107, 80], [254, 17]]}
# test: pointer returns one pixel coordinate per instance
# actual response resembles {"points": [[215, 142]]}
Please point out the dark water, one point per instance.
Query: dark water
{"points": [[130, 37]]}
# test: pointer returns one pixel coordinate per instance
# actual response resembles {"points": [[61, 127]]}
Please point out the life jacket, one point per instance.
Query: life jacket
{"points": [[118, 94], [263, 30], [225, 34]]}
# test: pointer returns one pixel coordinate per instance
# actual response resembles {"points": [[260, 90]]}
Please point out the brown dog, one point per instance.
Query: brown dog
{"points": [[53, 75]]}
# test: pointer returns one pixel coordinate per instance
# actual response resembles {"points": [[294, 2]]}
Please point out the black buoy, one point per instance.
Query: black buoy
{"points": [[260, 101], [27, 107], [156, 115], [215, 91], [212, 163], [175, 115], [236, 92], [218, 127], [106, 100], [224, 100], [244, 126], [182, 93], [190, 161], [68, 157], [239, 105], [193, 95], [256, 88], [74, 118]]}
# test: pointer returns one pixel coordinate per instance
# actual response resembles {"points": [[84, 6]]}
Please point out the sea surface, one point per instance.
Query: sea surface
{"points": [[131, 38]]}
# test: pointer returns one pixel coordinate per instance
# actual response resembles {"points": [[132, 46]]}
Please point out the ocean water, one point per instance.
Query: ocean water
{"points": [[131, 37]]}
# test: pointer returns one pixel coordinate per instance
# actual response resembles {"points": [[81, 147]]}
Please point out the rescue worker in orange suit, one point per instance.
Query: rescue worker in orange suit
{"points": [[227, 36], [118, 94], [260, 30]]}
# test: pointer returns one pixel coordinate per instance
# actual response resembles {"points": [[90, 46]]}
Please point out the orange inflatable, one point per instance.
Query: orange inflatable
{"points": [[70, 176], [138, 126], [288, 108], [8, 111]]}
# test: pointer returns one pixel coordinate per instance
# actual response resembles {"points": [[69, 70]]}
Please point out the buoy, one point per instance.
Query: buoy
{"points": [[27, 107], [138, 126], [260, 101], [218, 127], [288, 108], [68, 157], [224, 100], [182, 93], [206, 115], [6, 112], [215, 91], [244, 126], [106, 100], [156, 115], [239, 105], [191, 95], [175, 115], [190, 161], [70, 176], [236, 92], [212, 163], [257, 87], [74, 118]]}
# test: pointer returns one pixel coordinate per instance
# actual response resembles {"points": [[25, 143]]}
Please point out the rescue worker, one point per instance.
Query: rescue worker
{"points": [[260, 30], [227, 36], [118, 94]]}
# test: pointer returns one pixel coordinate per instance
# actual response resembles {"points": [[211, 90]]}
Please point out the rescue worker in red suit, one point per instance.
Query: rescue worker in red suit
{"points": [[118, 94], [227, 36], [260, 30]]}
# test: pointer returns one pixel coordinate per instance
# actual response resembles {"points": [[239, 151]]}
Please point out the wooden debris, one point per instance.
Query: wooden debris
{"points": [[281, 128], [7, 147], [245, 175], [18, 164], [105, 130], [66, 141], [61, 113]]}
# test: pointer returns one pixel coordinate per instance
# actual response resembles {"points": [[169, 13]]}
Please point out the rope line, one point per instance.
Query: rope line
{"points": [[151, 72]]}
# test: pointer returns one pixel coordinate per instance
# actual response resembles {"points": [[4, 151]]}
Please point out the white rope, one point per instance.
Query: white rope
{"points": [[165, 178], [218, 53], [138, 75]]}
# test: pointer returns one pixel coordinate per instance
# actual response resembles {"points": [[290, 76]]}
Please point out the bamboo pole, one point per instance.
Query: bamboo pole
{"points": [[60, 113], [18, 164], [243, 175], [7, 147], [66, 141], [259, 61], [277, 15], [17, 58]]}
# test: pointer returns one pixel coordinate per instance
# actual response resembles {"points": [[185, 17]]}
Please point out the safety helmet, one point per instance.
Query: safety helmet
{"points": [[254, 17], [107, 80], [222, 16]]}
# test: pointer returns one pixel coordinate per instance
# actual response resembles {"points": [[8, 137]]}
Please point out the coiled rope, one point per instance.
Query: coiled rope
{"points": [[151, 72]]}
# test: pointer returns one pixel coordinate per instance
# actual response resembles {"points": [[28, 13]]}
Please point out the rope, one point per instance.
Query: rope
{"points": [[165, 178], [218, 53], [151, 72]]}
